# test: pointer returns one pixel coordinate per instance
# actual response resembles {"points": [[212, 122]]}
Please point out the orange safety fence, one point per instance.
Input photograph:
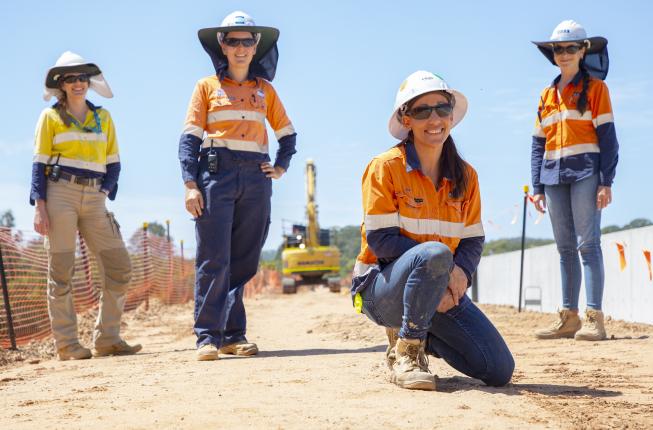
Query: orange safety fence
{"points": [[159, 270]]}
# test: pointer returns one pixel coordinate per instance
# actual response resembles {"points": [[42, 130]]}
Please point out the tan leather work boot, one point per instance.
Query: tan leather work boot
{"points": [[120, 348], [207, 352], [390, 352], [242, 348], [411, 367], [593, 328], [566, 325], [73, 352]]}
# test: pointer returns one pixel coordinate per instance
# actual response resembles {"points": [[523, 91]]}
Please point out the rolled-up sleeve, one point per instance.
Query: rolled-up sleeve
{"points": [[190, 141]]}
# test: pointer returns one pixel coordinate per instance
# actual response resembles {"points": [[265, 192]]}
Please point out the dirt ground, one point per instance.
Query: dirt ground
{"points": [[321, 366]]}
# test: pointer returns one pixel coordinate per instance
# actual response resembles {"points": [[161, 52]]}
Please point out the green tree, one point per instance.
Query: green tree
{"points": [[156, 229], [638, 223], [7, 219]]}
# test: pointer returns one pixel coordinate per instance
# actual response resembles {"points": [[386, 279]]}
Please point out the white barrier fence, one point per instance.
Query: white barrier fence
{"points": [[628, 294]]}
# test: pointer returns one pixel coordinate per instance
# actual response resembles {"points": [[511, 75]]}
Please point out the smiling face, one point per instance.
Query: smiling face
{"points": [[238, 56], [568, 61], [431, 131], [76, 89]]}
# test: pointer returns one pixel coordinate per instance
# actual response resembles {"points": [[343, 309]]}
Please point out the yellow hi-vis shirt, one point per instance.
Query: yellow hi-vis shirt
{"points": [[74, 147]]}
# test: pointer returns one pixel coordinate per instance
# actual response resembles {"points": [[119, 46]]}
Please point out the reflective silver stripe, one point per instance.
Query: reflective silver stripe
{"points": [[538, 132], [69, 162], [235, 145], [565, 115], [236, 115], [193, 130], [375, 222], [603, 119], [72, 136], [431, 226], [286, 131], [567, 151], [473, 230], [115, 158], [361, 268]]}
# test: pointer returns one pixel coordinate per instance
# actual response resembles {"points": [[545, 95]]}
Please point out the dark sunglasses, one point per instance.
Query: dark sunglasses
{"points": [[233, 42], [71, 79], [570, 49], [423, 112]]}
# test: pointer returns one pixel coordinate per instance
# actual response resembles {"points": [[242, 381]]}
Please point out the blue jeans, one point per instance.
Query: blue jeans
{"points": [[577, 227], [230, 235], [406, 294]]}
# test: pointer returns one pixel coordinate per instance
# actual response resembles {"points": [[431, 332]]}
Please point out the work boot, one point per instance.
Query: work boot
{"points": [[411, 367], [242, 348], [593, 328], [207, 352], [566, 325], [390, 352], [120, 348], [73, 352]]}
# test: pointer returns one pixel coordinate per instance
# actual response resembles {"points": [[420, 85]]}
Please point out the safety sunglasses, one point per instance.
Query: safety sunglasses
{"points": [[570, 49], [442, 110], [234, 41], [71, 79]]}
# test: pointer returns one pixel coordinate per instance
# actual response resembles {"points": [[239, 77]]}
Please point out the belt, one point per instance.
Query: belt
{"points": [[80, 180]]}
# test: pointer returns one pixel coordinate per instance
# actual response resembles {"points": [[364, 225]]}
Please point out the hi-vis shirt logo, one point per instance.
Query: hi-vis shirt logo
{"points": [[219, 93], [260, 93]]}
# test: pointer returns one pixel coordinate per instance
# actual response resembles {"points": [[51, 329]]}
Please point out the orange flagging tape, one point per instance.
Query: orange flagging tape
{"points": [[159, 271], [622, 256], [647, 257]]}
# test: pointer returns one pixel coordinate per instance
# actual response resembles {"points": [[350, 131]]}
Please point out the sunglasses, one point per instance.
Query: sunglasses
{"points": [[570, 49], [423, 112], [233, 42], [71, 79]]}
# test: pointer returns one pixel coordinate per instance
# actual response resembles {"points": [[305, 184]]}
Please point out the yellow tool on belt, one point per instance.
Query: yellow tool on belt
{"points": [[358, 303]]}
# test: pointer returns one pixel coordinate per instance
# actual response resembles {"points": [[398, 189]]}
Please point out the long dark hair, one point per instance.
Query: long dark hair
{"points": [[581, 105], [452, 165], [62, 106]]}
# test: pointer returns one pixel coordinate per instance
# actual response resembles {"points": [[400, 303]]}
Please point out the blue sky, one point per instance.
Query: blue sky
{"points": [[340, 66]]}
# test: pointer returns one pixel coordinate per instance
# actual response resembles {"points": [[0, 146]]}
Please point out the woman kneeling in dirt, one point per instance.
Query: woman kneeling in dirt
{"points": [[421, 242]]}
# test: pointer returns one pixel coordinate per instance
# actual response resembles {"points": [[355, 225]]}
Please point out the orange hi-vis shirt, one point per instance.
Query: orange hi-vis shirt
{"points": [[569, 146], [233, 114], [400, 202]]}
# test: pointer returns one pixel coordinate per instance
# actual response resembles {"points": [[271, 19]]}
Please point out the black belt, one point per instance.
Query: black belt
{"points": [[80, 180]]}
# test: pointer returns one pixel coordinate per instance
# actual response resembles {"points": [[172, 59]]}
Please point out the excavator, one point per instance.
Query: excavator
{"points": [[307, 256]]}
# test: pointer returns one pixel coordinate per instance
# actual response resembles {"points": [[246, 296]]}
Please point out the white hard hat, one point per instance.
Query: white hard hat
{"points": [[71, 62], [417, 84], [571, 31]]}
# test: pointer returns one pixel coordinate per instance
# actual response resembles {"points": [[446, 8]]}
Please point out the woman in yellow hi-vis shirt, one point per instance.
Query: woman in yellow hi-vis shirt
{"points": [[76, 167]]}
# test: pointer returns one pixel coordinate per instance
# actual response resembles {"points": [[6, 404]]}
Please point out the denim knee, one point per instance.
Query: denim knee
{"points": [[436, 257], [502, 372]]}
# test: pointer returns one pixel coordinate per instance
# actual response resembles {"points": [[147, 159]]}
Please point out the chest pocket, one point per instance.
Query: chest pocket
{"points": [[409, 204], [257, 100], [456, 210]]}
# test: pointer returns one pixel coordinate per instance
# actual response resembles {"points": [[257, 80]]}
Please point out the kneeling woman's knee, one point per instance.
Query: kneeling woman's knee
{"points": [[436, 256], [502, 372]]}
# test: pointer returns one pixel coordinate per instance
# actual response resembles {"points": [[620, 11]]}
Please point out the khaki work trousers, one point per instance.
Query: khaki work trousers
{"points": [[72, 207]]}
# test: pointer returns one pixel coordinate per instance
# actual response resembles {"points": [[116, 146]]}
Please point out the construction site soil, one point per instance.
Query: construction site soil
{"points": [[321, 366]]}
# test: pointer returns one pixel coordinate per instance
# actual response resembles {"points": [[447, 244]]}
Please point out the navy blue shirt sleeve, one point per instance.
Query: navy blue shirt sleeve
{"points": [[468, 255], [537, 155], [388, 244], [609, 155], [38, 186], [110, 182], [189, 151], [286, 150]]}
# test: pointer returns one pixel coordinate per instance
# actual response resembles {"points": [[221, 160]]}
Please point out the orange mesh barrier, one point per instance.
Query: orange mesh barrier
{"points": [[159, 271]]}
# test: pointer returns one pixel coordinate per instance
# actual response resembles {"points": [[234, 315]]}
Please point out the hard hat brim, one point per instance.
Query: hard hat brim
{"points": [[597, 44], [400, 132], [209, 38]]}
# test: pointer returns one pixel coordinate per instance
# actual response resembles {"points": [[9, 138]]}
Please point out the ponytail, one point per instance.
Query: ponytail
{"points": [[581, 106]]}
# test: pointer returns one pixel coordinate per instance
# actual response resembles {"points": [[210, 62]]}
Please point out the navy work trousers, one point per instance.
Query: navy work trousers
{"points": [[230, 235]]}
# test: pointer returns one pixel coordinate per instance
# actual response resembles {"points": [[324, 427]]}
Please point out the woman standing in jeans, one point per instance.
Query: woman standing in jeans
{"points": [[573, 162], [422, 239]]}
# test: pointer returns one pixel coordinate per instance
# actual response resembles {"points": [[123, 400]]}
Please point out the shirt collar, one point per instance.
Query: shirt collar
{"points": [[574, 81], [412, 160]]}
